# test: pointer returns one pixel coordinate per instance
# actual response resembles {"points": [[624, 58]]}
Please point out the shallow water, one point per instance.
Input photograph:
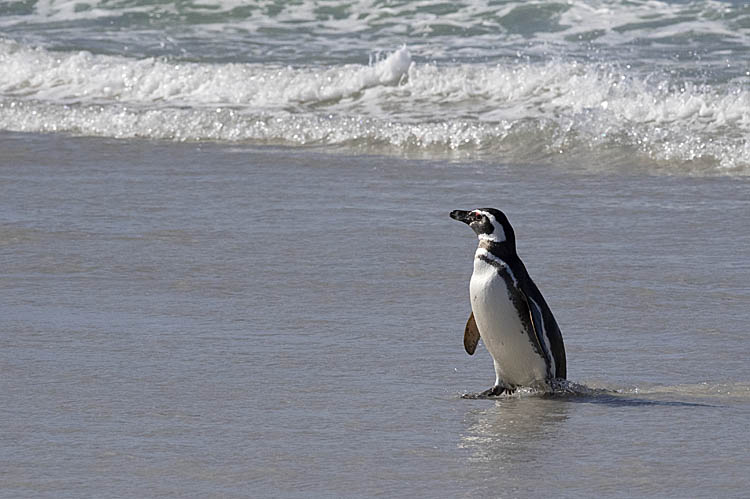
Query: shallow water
{"points": [[212, 320]]}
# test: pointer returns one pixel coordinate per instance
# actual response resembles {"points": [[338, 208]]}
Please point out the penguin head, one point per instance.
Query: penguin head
{"points": [[490, 225]]}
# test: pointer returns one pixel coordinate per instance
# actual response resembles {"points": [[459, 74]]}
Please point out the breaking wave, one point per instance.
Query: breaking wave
{"points": [[524, 110]]}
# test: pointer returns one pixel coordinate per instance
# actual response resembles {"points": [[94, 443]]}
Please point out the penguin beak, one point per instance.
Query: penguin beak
{"points": [[461, 216]]}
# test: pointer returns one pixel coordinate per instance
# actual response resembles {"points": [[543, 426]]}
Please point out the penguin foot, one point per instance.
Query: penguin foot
{"points": [[497, 390], [493, 392]]}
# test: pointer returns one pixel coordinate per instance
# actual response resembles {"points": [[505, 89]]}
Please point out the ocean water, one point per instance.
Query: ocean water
{"points": [[228, 270], [601, 82]]}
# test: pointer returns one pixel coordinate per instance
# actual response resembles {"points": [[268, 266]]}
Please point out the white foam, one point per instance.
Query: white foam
{"points": [[84, 78], [523, 110], [611, 22]]}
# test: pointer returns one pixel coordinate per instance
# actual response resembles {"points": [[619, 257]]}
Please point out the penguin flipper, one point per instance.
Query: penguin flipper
{"points": [[540, 330], [535, 317], [471, 335]]}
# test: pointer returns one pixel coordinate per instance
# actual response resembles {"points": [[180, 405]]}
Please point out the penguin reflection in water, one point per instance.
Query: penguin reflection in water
{"points": [[508, 311]]}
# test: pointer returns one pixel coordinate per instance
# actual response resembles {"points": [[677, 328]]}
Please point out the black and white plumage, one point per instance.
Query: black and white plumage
{"points": [[509, 312]]}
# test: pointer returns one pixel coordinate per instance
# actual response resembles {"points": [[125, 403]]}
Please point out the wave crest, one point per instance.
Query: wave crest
{"points": [[523, 111]]}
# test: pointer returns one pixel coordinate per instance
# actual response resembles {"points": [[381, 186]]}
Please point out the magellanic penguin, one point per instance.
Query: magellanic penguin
{"points": [[508, 311]]}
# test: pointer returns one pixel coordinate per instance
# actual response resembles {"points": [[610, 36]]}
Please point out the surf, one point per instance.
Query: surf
{"points": [[523, 111]]}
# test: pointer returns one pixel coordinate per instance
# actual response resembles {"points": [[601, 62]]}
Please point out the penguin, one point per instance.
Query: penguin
{"points": [[509, 313]]}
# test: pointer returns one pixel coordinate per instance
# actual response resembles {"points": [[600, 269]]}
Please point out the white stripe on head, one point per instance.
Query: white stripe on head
{"points": [[498, 233]]}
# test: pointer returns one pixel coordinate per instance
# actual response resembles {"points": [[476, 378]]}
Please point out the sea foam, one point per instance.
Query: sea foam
{"points": [[525, 111], [82, 77]]}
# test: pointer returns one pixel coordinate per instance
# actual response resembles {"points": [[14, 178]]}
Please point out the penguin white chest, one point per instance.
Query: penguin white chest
{"points": [[502, 329]]}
